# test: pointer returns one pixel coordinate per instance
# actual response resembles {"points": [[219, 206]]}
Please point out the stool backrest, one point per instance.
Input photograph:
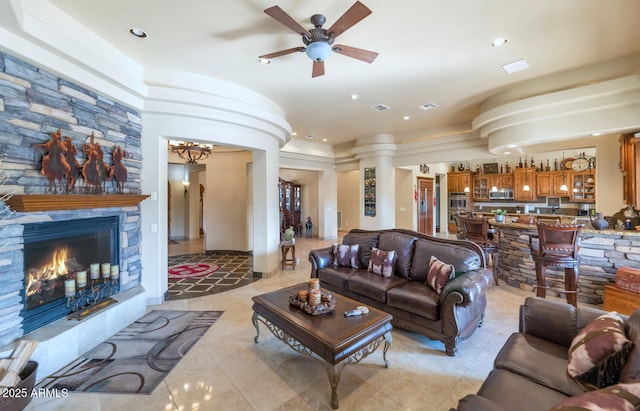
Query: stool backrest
{"points": [[559, 240], [476, 230]]}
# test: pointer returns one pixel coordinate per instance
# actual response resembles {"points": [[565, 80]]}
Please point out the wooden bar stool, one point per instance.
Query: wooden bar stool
{"points": [[477, 230], [285, 246], [558, 247]]}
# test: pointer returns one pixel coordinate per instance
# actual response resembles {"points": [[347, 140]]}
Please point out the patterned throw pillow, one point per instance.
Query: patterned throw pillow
{"points": [[346, 255], [439, 274], [382, 262], [599, 351], [621, 397], [631, 371]]}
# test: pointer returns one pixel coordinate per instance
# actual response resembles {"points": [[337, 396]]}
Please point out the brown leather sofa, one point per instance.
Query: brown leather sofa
{"points": [[530, 371], [450, 316]]}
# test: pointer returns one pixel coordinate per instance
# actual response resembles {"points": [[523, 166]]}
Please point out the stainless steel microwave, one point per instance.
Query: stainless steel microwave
{"points": [[501, 194]]}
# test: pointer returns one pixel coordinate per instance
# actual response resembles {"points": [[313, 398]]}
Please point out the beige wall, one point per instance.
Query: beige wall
{"points": [[405, 182], [349, 199]]}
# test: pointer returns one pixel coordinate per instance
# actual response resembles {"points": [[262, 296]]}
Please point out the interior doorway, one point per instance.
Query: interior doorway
{"points": [[426, 205]]}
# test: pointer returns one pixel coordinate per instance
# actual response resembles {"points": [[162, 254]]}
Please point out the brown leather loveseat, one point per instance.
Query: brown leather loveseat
{"points": [[448, 316], [531, 370]]}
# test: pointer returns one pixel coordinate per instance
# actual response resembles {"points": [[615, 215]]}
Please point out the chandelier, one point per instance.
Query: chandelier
{"points": [[189, 151]]}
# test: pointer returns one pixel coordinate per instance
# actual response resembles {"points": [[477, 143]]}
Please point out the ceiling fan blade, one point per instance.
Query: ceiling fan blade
{"points": [[360, 54], [280, 15], [352, 16], [318, 69], [281, 53]]}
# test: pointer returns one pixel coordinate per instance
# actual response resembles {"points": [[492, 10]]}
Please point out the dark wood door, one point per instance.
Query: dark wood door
{"points": [[426, 205]]}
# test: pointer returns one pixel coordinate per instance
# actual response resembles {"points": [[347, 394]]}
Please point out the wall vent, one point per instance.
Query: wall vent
{"points": [[339, 219], [380, 107], [427, 106]]}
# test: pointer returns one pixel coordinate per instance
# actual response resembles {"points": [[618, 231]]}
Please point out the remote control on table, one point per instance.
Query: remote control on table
{"points": [[352, 313]]}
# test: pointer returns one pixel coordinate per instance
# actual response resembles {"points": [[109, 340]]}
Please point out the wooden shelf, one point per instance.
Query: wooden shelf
{"points": [[50, 202]]}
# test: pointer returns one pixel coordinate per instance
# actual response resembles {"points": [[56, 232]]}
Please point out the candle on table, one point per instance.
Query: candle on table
{"points": [[115, 272], [94, 271], [106, 269], [69, 288], [81, 279]]}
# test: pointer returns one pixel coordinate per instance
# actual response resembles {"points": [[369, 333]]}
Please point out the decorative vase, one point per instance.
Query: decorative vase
{"points": [[599, 223], [499, 218], [288, 234]]}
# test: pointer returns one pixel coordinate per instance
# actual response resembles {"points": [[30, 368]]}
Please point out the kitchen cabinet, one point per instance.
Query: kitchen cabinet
{"points": [[457, 182], [501, 180], [481, 188], [522, 176], [582, 186], [548, 184], [630, 167]]}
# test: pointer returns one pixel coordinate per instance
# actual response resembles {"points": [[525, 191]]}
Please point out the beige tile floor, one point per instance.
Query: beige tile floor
{"points": [[226, 370]]}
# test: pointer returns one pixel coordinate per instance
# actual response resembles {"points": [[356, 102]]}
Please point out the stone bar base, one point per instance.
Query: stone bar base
{"points": [[602, 252]]}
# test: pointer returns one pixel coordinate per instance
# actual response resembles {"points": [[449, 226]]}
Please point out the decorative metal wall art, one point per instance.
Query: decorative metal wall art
{"points": [[60, 166]]}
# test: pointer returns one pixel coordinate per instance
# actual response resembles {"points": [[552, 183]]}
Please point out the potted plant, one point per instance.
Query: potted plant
{"points": [[499, 214]]}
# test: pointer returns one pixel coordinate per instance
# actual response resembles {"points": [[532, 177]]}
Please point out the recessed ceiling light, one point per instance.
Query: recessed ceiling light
{"points": [[138, 33], [325, 140], [406, 118], [512, 145], [515, 66], [264, 61], [354, 97], [293, 133], [499, 42], [596, 134], [507, 153]]}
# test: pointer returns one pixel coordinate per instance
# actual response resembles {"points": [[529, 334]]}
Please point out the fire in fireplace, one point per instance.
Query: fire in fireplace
{"points": [[59, 254]]}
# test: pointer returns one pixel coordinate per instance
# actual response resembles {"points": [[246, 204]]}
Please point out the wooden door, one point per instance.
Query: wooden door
{"points": [[426, 205]]}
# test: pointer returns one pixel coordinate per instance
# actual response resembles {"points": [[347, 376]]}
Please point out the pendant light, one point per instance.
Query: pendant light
{"points": [[563, 187]]}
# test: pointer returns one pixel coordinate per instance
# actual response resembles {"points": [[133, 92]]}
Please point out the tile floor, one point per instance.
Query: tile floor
{"points": [[226, 370]]}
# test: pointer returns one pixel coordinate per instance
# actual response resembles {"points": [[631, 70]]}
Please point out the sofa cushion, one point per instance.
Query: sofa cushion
{"points": [[539, 360], [515, 392], [336, 276], [598, 353], [366, 240], [346, 255], [372, 285], [463, 259], [403, 244], [620, 397], [439, 274], [415, 297], [631, 371], [382, 262]]}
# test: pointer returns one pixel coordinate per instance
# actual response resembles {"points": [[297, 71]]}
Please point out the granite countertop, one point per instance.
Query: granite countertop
{"points": [[510, 221]]}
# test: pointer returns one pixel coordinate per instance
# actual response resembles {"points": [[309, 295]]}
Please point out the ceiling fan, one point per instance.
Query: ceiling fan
{"points": [[319, 41]]}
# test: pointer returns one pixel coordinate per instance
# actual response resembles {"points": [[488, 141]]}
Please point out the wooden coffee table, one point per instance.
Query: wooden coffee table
{"points": [[332, 339]]}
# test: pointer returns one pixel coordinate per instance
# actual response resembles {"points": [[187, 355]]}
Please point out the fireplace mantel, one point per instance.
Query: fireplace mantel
{"points": [[51, 202]]}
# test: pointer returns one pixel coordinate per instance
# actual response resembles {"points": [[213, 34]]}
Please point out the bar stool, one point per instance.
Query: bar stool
{"points": [[558, 246], [477, 230], [285, 246]]}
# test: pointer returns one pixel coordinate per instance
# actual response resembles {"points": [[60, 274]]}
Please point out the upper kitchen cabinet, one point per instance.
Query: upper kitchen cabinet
{"points": [[548, 183], [522, 177], [457, 182]]}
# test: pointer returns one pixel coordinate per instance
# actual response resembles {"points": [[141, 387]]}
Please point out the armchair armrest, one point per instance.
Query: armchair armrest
{"points": [[319, 258]]}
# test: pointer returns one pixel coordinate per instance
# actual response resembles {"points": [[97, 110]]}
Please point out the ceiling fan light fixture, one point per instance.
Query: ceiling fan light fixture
{"points": [[264, 61], [138, 32], [499, 42], [319, 50]]}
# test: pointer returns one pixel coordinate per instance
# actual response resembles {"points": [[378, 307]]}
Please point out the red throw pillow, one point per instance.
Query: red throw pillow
{"points": [[439, 274]]}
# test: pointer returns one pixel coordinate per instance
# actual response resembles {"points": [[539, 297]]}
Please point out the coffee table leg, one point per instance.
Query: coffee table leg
{"points": [[254, 319], [334, 378], [387, 343]]}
